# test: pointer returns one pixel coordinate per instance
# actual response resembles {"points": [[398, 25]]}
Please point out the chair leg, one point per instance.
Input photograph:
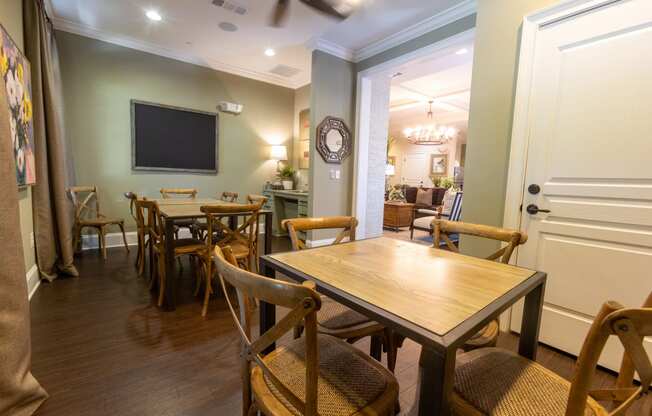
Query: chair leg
{"points": [[124, 236], [141, 255], [207, 291], [391, 348], [138, 253], [102, 240], [376, 348], [411, 233], [161, 278]]}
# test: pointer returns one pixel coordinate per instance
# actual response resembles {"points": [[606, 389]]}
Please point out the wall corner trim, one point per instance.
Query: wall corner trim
{"points": [[331, 48], [33, 280]]}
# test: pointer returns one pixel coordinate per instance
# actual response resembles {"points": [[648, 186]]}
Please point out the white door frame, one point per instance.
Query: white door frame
{"points": [[520, 134], [515, 190], [363, 116]]}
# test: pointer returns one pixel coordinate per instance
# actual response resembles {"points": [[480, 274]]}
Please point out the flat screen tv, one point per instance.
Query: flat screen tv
{"points": [[169, 139]]}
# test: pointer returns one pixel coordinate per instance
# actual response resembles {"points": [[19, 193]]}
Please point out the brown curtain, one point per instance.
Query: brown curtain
{"points": [[52, 210], [20, 393]]}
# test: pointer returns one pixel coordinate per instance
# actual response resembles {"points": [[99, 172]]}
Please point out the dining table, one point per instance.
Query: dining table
{"points": [[437, 298], [174, 210]]}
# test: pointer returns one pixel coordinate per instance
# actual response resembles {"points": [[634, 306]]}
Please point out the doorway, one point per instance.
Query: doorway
{"points": [[414, 98]]}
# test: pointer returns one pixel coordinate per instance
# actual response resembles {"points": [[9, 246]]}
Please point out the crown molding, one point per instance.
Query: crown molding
{"points": [[450, 15], [330, 48], [132, 43]]}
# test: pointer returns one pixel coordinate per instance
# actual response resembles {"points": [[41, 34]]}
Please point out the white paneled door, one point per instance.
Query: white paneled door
{"points": [[590, 156], [414, 170]]}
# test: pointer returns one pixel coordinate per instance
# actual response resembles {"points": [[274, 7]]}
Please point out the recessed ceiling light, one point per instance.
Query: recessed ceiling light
{"points": [[462, 51], [228, 27], [153, 15], [270, 52]]}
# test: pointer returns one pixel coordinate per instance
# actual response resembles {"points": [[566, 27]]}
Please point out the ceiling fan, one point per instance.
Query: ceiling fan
{"points": [[339, 9]]}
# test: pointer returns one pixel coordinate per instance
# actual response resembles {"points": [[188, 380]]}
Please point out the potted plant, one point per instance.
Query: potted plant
{"points": [[286, 175], [442, 181]]}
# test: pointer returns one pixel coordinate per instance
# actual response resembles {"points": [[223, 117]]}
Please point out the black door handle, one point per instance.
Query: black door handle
{"points": [[533, 209]]}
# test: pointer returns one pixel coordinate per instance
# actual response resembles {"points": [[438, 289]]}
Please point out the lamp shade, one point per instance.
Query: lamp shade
{"points": [[278, 153]]}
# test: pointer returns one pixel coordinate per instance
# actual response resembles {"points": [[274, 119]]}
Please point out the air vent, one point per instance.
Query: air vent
{"points": [[231, 6], [284, 71]]}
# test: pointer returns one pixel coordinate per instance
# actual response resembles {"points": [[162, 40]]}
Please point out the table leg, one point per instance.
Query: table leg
{"points": [[267, 310], [435, 385], [170, 300], [268, 232], [531, 322], [233, 222]]}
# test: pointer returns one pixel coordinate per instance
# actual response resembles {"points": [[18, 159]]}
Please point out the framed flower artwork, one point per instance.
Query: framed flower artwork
{"points": [[438, 165], [16, 76]]}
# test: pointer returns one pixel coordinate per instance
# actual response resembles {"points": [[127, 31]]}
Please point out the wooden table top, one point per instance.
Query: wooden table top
{"points": [[436, 290], [187, 208]]}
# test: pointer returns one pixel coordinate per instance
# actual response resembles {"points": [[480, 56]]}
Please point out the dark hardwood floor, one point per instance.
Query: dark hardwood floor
{"points": [[101, 347]]}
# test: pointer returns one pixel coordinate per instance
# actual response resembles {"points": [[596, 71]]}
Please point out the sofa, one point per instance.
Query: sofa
{"points": [[410, 193]]}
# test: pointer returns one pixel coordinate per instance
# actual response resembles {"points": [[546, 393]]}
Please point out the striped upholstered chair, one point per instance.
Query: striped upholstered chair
{"points": [[425, 223]]}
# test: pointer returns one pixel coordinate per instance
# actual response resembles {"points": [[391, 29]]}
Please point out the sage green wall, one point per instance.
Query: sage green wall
{"points": [[491, 111], [100, 79], [332, 94], [11, 17], [451, 29]]}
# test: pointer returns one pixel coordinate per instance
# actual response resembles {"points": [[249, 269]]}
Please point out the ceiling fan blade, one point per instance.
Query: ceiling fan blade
{"points": [[328, 7], [280, 13]]}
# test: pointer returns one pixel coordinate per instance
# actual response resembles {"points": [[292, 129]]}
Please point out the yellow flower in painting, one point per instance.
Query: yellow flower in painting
{"points": [[20, 73], [27, 111], [4, 62]]}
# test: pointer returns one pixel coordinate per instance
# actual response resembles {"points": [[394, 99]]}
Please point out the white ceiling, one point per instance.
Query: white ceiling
{"points": [[189, 30], [443, 78]]}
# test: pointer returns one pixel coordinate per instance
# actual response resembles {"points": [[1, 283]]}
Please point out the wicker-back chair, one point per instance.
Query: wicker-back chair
{"points": [[443, 229], [315, 374]]}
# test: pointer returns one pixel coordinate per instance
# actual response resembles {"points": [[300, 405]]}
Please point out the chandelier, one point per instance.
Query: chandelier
{"points": [[431, 134]]}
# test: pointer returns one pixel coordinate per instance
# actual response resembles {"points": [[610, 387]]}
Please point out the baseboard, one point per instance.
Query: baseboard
{"points": [[33, 280], [90, 241]]}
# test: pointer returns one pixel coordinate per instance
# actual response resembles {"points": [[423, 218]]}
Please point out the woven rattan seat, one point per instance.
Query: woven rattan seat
{"points": [[501, 383], [348, 380], [334, 315]]}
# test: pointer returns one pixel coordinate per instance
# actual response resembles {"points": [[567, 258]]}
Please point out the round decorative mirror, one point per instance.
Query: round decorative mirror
{"points": [[333, 140]]}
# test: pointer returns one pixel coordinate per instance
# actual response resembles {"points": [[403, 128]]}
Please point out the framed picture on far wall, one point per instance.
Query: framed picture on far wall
{"points": [[439, 165], [16, 77]]}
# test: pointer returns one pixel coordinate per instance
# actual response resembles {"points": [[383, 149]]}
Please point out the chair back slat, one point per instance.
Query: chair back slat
{"points": [[442, 229], [168, 193], [347, 226], [229, 196], [132, 197], [630, 326], [245, 234], [149, 220], [85, 202], [303, 303], [626, 373], [254, 199]]}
